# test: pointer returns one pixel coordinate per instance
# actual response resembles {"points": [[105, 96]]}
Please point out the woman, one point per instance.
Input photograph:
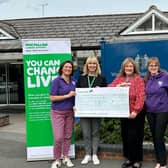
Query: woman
{"points": [[90, 126], [157, 107], [62, 94], [132, 128]]}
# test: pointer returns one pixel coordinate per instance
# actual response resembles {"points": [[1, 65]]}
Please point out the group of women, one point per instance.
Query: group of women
{"points": [[148, 95]]}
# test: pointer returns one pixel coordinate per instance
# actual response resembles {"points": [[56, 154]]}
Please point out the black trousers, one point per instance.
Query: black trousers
{"points": [[132, 132], [158, 123]]}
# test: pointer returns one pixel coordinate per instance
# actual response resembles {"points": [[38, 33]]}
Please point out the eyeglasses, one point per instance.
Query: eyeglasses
{"points": [[153, 65]]}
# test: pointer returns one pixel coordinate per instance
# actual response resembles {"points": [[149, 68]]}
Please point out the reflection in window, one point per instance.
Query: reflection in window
{"points": [[146, 26], [2, 35], [160, 25], [153, 24]]}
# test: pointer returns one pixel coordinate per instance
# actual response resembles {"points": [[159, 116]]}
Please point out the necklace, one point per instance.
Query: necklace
{"points": [[90, 83]]}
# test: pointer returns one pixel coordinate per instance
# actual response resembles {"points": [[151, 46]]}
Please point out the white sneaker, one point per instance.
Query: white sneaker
{"points": [[95, 160], [66, 161], [56, 164], [157, 165], [86, 159], [163, 166]]}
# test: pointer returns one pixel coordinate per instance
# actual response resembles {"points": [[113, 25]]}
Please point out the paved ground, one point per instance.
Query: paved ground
{"points": [[13, 150]]}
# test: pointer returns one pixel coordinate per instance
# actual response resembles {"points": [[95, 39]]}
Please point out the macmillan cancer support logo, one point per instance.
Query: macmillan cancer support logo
{"points": [[36, 45]]}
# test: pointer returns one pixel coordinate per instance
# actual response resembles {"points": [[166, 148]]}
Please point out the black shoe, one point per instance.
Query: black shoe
{"points": [[137, 165], [127, 164]]}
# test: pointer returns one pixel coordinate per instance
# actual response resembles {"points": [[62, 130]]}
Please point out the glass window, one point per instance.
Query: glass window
{"points": [[3, 84], [146, 26], [11, 84], [2, 35], [153, 24], [160, 25], [16, 84]]}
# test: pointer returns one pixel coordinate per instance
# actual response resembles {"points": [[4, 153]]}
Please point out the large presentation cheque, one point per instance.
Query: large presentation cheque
{"points": [[102, 102]]}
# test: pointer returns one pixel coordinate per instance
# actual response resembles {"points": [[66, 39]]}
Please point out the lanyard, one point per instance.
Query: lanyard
{"points": [[90, 83]]}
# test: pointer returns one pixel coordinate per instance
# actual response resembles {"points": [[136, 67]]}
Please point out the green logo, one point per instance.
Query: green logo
{"points": [[36, 45]]}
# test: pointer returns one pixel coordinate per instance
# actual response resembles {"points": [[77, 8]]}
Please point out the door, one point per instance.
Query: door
{"points": [[3, 84], [11, 84], [15, 83]]}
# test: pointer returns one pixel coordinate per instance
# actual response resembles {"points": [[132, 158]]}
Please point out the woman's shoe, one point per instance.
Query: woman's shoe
{"points": [[66, 161], [137, 165], [95, 160], [86, 159], [127, 164], [157, 165], [56, 164]]}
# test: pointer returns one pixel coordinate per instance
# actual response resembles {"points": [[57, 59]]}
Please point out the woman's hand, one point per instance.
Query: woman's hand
{"points": [[70, 94], [123, 84], [133, 115], [62, 97], [74, 109]]}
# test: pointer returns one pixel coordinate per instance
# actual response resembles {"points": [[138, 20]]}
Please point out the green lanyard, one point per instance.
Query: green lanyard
{"points": [[90, 83]]}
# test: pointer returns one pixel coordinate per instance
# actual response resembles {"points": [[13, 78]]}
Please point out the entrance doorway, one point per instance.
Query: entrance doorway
{"points": [[11, 84]]}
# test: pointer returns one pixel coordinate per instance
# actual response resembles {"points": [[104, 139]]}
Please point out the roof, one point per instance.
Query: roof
{"points": [[9, 29], [84, 31]]}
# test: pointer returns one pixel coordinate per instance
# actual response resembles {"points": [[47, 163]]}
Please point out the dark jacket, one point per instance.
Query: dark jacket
{"points": [[100, 81]]}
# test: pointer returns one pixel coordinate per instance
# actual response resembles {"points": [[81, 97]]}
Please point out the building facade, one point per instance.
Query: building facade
{"points": [[85, 32]]}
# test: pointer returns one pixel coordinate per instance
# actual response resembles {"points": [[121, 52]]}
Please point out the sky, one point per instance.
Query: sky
{"points": [[18, 9]]}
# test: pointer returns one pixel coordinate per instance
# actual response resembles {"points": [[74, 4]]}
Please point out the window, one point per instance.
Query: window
{"points": [[5, 35], [2, 35], [146, 26], [152, 22], [160, 25]]}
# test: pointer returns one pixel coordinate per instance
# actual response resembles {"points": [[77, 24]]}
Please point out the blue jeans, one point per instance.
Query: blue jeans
{"points": [[158, 124]]}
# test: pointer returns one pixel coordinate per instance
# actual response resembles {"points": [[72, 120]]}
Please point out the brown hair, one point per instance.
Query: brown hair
{"points": [[154, 60], [124, 63], [62, 65]]}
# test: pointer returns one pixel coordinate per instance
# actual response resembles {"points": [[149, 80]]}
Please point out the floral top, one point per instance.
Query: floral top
{"points": [[136, 91]]}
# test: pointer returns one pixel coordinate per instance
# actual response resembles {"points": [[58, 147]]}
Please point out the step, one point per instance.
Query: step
{"points": [[4, 119]]}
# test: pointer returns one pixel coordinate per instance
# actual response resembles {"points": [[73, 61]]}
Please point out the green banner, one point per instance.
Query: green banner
{"points": [[42, 59]]}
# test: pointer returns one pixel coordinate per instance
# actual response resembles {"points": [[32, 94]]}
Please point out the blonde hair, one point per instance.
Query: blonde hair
{"points": [[154, 60], [92, 59], [124, 63]]}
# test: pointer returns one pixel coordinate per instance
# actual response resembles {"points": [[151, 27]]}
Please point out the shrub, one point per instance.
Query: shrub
{"points": [[110, 131]]}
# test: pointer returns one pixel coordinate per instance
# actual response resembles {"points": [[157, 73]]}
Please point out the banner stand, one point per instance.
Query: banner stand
{"points": [[42, 59]]}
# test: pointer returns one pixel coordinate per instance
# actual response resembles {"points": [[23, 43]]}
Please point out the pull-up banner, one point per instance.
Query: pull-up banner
{"points": [[42, 59]]}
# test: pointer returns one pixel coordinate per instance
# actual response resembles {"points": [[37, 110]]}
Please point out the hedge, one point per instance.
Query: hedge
{"points": [[110, 132]]}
